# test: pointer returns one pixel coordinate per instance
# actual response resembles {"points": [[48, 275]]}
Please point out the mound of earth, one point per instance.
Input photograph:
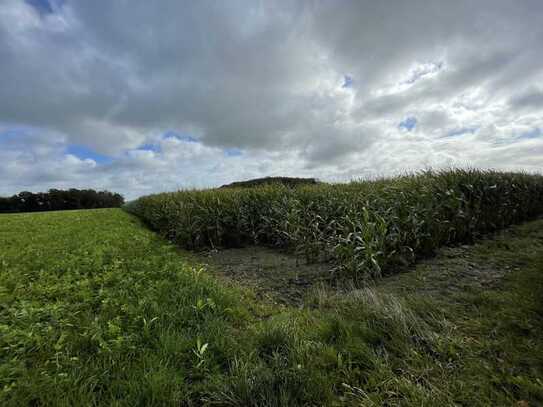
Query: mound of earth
{"points": [[287, 181]]}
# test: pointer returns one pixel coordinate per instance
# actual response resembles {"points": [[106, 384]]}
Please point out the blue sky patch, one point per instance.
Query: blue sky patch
{"points": [[17, 132], [150, 147], [535, 133], [233, 152], [348, 81], [181, 137], [83, 153], [461, 131], [409, 123], [12, 134], [41, 6]]}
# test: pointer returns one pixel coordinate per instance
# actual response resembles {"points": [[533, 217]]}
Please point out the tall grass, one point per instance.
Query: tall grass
{"points": [[364, 228]]}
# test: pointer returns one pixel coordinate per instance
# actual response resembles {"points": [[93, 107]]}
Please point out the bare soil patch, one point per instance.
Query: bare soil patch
{"points": [[283, 278], [275, 276]]}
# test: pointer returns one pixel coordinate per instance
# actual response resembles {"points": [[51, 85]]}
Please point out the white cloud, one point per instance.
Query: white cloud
{"points": [[265, 79]]}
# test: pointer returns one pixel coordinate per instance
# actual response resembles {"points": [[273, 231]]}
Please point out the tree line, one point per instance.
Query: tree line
{"points": [[56, 200]]}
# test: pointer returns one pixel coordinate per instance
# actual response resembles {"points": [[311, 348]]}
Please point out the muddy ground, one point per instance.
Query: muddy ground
{"points": [[275, 276], [283, 278]]}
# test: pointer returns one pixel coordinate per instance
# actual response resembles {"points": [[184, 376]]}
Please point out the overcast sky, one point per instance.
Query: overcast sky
{"points": [[143, 96]]}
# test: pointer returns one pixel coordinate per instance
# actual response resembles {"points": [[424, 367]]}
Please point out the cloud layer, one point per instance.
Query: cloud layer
{"points": [[138, 98]]}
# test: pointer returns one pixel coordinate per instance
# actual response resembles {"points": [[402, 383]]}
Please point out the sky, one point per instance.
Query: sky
{"points": [[139, 97]]}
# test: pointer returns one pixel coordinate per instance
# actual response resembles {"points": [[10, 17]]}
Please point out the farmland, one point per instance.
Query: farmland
{"points": [[365, 229], [96, 309]]}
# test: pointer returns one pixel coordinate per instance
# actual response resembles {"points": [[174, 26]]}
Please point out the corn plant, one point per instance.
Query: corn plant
{"points": [[364, 228]]}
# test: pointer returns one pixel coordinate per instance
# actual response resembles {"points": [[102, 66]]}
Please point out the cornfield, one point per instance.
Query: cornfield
{"points": [[363, 228]]}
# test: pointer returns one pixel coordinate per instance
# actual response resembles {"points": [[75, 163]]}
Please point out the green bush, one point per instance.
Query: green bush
{"points": [[364, 228]]}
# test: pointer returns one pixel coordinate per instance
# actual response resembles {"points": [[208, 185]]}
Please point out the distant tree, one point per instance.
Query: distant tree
{"points": [[27, 201], [8, 205], [56, 199]]}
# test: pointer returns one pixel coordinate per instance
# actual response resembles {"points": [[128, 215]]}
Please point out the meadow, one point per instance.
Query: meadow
{"points": [[96, 309]]}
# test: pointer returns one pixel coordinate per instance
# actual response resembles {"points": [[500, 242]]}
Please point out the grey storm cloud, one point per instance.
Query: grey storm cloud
{"points": [[532, 98], [266, 78]]}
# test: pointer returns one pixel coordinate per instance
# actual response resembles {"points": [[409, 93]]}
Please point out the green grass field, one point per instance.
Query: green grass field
{"points": [[97, 310]]}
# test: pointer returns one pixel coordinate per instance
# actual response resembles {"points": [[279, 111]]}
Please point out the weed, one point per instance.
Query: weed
{"points": [[200, 352]]}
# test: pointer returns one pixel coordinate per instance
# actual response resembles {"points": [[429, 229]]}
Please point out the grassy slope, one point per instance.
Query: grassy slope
{"points": [[95, 309], [491, 295]]}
